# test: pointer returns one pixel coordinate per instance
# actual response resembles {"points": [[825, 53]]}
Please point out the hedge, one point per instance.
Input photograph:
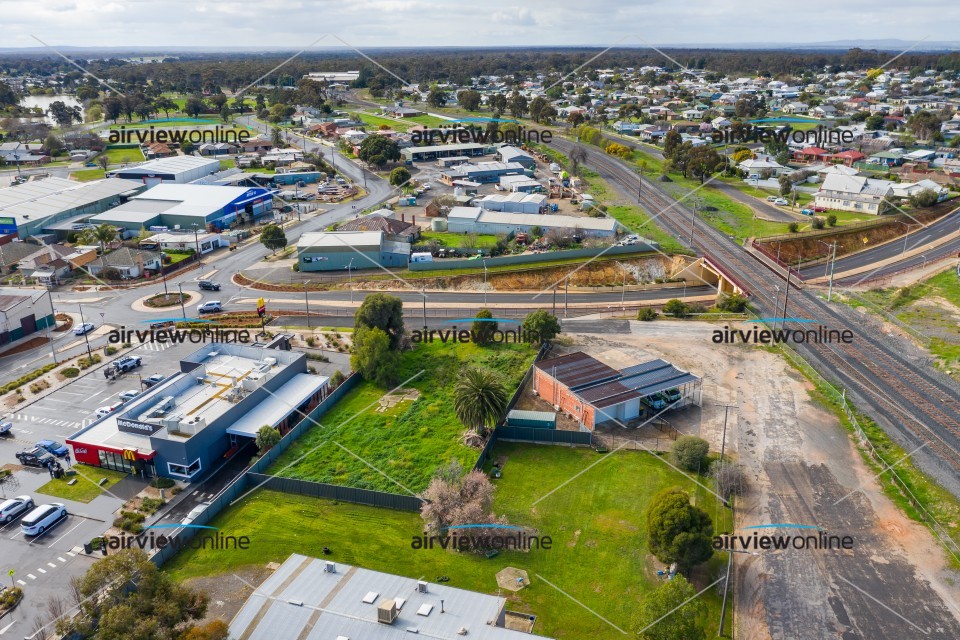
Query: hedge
{"points": [[27, 378]]}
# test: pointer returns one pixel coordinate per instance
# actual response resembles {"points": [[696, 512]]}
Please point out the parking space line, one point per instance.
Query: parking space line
{"points": [[65, 535], [16, 534], [41, 570], [60, 558], [21, 582], [6, 628], [71, 554], [31, 576], [51, 565]]}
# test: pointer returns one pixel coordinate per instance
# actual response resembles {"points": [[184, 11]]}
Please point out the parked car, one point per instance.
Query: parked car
{"points": [[90, 164], [807, 212], [5, 428], [819, 209], [213, 306], [772, 198], [42, 518], [10, 509], [107, 409], [86, 327], [152, 380], [129, 395], [35, 457], [54, 447], [195, 512], [127, 363], [655, 402], [208, 285], [672, 395], [780, 202]]}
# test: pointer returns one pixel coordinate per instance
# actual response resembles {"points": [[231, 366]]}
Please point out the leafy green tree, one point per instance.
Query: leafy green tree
{"points": [[483, 331], [689, 452], [479, 399], [136, 600], [165, 104], [101, 235], [670, 612], [194, 106], [399, 176], [926, 198], [676, 308], [671, 141], [732, 302], [266, 438], [703, 162], [372, 357], [64, 115], [647, 314], [378, 150], [469, 99], [273, 237], [213, 630], [541, 324], [678, 531], [793, 227], [384, 312], [437, 97]]}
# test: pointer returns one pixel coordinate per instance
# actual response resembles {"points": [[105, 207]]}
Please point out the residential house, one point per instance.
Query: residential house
{"points": [[217, 149], [854, 193], [400, 111], [848, 157], [255, 145], [157, 150], [811, 154], [796, 108], [131, 263], [383, 220], [886, 158], [824, 111], [12, 253], [757, 167]]}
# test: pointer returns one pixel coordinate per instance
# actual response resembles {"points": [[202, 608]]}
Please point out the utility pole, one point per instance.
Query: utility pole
{"points": [[350, 278], [53, 350], [423, 292], [306, 302], [555, 296], [833, 262], [86, 334], [786, 297], [693, 222], [566, 290], [484, 282], [640, 186], [196, 238]]}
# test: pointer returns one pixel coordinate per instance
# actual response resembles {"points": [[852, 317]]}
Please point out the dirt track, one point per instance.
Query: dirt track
{"points": [[893, 582]]}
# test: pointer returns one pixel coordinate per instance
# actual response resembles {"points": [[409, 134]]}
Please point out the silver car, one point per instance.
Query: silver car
{"points": [[10, 509]]}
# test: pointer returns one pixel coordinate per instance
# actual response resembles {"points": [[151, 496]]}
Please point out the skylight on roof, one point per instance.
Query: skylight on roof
{"points": [[371, 597]]}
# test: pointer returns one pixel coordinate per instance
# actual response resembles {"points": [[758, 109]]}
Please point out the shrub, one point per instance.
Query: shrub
{"points": [[39, 386], [311, 341], [676, 308], [647, 313], [689, 452], [832, 220], [111, 350], [88, 361], [151, 505], [162, 483], [25, 379], [10, 597], [793, 227], [730, 479], [732, 303], [130, 521], [818, 223], [336, 379]]}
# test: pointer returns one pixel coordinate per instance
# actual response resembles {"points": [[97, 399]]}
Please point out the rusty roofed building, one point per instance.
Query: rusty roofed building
{"points": [[592, 392]]}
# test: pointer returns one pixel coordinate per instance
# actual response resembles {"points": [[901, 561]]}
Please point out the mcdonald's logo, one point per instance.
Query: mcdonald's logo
{"points": [[129, 454]]}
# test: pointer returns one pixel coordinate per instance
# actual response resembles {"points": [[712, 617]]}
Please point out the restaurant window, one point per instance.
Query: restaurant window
{"points": [[184, 471]]}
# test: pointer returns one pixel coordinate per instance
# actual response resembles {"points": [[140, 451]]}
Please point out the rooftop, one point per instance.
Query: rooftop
{"points": [[173, 164], [38, 199], [303, 600]]}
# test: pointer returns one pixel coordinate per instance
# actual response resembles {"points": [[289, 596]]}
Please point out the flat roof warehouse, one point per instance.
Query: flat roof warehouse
{"points": [[222, 394]]}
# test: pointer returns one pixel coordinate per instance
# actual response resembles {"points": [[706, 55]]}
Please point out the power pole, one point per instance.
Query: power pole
{"points": [[786, 297], [306, 302], [85, 333], [833, 263]]}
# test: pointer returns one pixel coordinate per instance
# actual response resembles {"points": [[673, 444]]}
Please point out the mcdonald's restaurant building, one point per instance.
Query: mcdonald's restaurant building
{"points": [[187, 425]]}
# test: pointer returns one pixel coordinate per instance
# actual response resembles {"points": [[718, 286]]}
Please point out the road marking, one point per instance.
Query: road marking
{"points": [[18, 582], [16, 534], [62, 436], [95, 395], [61, 559], [41, 570], [71, 554], [65, 535], [4, 630], [31, 576], [51, 565]]}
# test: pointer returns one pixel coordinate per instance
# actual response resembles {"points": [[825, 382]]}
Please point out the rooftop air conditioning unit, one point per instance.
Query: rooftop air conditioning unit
{"points": [[330, 567], [462, 631], [270, 361], [422, 586], [387, 612]]}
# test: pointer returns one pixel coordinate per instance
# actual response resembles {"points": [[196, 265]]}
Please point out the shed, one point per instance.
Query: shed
{"points": [[534, 419]]}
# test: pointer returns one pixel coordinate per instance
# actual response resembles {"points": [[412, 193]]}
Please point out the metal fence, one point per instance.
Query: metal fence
{"points": [[544, 436], [338, 492], [528, 258]]}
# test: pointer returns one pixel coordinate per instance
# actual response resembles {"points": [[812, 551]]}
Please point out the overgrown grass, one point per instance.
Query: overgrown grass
{"points": [[409, 441], [376, 121], [86, 175], [455, 240], [87, 486], [598, 554]]}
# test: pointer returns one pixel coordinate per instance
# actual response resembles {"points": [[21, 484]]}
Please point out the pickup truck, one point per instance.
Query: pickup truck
{"points": [[127, 363]]}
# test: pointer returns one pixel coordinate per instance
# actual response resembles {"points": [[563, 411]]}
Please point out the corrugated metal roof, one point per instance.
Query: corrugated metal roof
{"points": [[300, 594], [39, 199], [523, 414], [577, 369]]}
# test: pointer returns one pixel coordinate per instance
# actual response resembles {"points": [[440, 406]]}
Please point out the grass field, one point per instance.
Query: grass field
{"points": [[455, 240], [121, 155], [86, 175], [376, 121], [409, 441], [86, 488], [596, 523]]}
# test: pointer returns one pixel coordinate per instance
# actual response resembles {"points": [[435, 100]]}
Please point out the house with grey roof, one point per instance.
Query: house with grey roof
{"points": [[131, 263]]}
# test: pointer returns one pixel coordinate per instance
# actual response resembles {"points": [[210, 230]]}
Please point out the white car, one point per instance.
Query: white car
{"points": [[107, 409], [213, 306], [780, 202], [42, 518], [195, 512], [86, 327], [5, 428], [10, 509]]}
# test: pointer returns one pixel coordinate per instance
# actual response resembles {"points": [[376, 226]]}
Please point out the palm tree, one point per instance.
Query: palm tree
{"points": [[101, 235], [479, 399]]}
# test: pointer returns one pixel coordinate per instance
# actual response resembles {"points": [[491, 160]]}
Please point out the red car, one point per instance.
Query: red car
{"points": [[818, 209]]}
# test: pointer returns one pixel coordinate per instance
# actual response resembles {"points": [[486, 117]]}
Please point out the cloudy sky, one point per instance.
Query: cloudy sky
{"points": [[286, 24]]}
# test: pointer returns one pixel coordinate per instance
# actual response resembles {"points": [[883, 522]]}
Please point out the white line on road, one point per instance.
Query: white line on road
{"points": [[51, 565], [21, 582], [31, 576], [66, 534], [61, 559], [16, 534], [62, 436], [41, 570], [6, 628]]}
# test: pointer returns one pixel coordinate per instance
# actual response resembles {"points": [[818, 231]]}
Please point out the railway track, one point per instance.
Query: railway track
{"points": [[911, 399]]}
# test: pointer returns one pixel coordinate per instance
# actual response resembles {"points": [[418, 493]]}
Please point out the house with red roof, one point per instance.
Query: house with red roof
{"points": [[848, 157]]}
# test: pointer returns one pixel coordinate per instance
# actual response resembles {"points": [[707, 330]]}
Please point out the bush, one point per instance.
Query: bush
{"points": [[832, 220], [151, 505], [730, 479], [336, 379], [162, 483], [732, 303], [111, 350], [676, 308], [130, 521], [10, 597], [647, 313], [26, 379], [793, 227], [311, 341], [689, 452], [88, 361], [818, 223]]}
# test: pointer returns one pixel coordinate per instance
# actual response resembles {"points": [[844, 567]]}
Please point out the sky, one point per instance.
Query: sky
{"points": [[295, 24]]}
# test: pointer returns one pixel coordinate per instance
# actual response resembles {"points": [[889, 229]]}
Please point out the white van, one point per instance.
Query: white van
{"points": [[42, 518]]}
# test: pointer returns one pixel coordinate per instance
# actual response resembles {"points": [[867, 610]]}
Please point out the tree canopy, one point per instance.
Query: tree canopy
{"points": [[678, 531], [384, 312]]}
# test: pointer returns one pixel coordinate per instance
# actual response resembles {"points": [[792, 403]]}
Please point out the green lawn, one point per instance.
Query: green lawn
{"points": [[122, 155], [456, 240], [596, 523], [204, 120], [409, 441], [86, 175], [376, 121], [86, 487]]}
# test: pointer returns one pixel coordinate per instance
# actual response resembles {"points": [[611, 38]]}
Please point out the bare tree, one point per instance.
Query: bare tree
{"points": [[578, 155], [454, 498], [104, 161]]}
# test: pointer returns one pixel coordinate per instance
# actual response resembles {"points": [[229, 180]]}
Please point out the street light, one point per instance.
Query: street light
{"points": [[182, 309], [86, 336], [350, 278], [484, 282]]}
